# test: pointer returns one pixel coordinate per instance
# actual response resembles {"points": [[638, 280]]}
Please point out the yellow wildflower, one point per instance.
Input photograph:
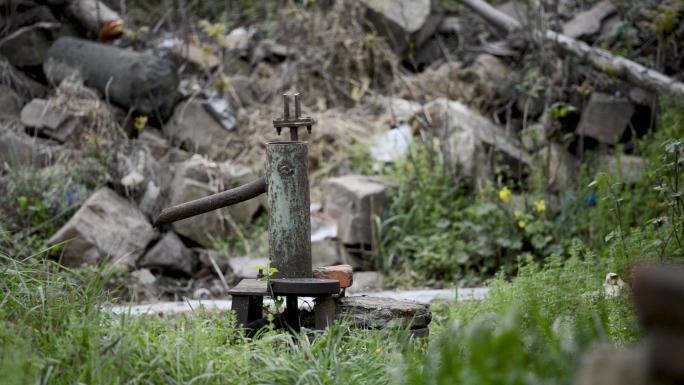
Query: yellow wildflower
{"points": [[505, 194], [377, 351], [521, 224], [425, 345], [517, 214], [541, 206]]}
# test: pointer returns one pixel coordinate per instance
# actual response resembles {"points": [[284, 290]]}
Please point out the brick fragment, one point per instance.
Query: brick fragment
{"points": [[342, 273]]}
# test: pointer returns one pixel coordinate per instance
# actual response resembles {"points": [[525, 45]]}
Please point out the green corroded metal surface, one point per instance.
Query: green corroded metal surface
{"points": [[289, 222]]}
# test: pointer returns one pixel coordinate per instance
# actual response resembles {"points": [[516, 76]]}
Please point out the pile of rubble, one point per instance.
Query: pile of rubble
{"points": [[182, 120]]}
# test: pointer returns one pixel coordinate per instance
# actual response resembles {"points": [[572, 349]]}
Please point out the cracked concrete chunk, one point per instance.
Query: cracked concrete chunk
{"points": [[106, 225]]}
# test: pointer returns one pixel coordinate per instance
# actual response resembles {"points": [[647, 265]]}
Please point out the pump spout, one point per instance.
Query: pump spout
{"points": [[212, 202]]}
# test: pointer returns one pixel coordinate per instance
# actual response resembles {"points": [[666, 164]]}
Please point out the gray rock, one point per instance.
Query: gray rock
{"points": [[244, 91], [404, 110], [378, 313], [351, 200], [204, 229], [605, 118], [407, 23], [52, 121], [146, 277], [244, 268], [490, 68], [515, 9], [205, 257], [23, 85], [106, 225], [19, 149], [26, 47], [587, 25], [472, 134], [169, 256], [155, 141], [10, 104], [561, 169], [629, 167], [367, 281], [193, 128]]}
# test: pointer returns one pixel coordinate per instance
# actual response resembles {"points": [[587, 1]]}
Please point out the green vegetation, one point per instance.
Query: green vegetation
{"points": [[546, 306]]}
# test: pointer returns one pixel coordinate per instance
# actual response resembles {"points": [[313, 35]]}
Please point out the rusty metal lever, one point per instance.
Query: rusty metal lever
{"points": [[212, 202]]}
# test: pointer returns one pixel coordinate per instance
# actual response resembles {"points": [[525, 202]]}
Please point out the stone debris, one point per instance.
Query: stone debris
{"points": [[193, 128], [19, 149], [588, 24], [54, 122], [490, 68], [407, 23], [367, 281], [630, 167], [471, 132], [10, 104], [169, 256], [379, 313], [606, 118], [107, 225], [27, 46], [352, 200]]}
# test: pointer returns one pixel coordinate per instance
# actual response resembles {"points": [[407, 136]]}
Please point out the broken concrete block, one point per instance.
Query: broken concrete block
{"points": [[54, 122], [629, 167], [605, 118], [26, 47], [407, 23], [587, 25], [169, 256], [379, 313], [195, 129], [10, 104], [352, 200], [106, 225], [342, 273]]}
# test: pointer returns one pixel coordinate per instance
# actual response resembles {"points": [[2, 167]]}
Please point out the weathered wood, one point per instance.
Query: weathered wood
{"points": [[250, 287], [600, 59], [247, 308]]}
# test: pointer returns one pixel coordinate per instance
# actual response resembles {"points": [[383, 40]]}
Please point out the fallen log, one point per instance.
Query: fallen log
{"points": [[95, 16], [129, 79], [602, 60]]}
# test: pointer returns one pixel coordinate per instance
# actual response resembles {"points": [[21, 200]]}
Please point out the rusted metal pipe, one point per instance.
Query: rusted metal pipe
{"points": [[289, 221], [212, 202]]}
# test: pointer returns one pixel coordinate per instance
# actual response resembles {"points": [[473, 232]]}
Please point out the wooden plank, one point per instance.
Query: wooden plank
{"points": [[250, 287]]}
